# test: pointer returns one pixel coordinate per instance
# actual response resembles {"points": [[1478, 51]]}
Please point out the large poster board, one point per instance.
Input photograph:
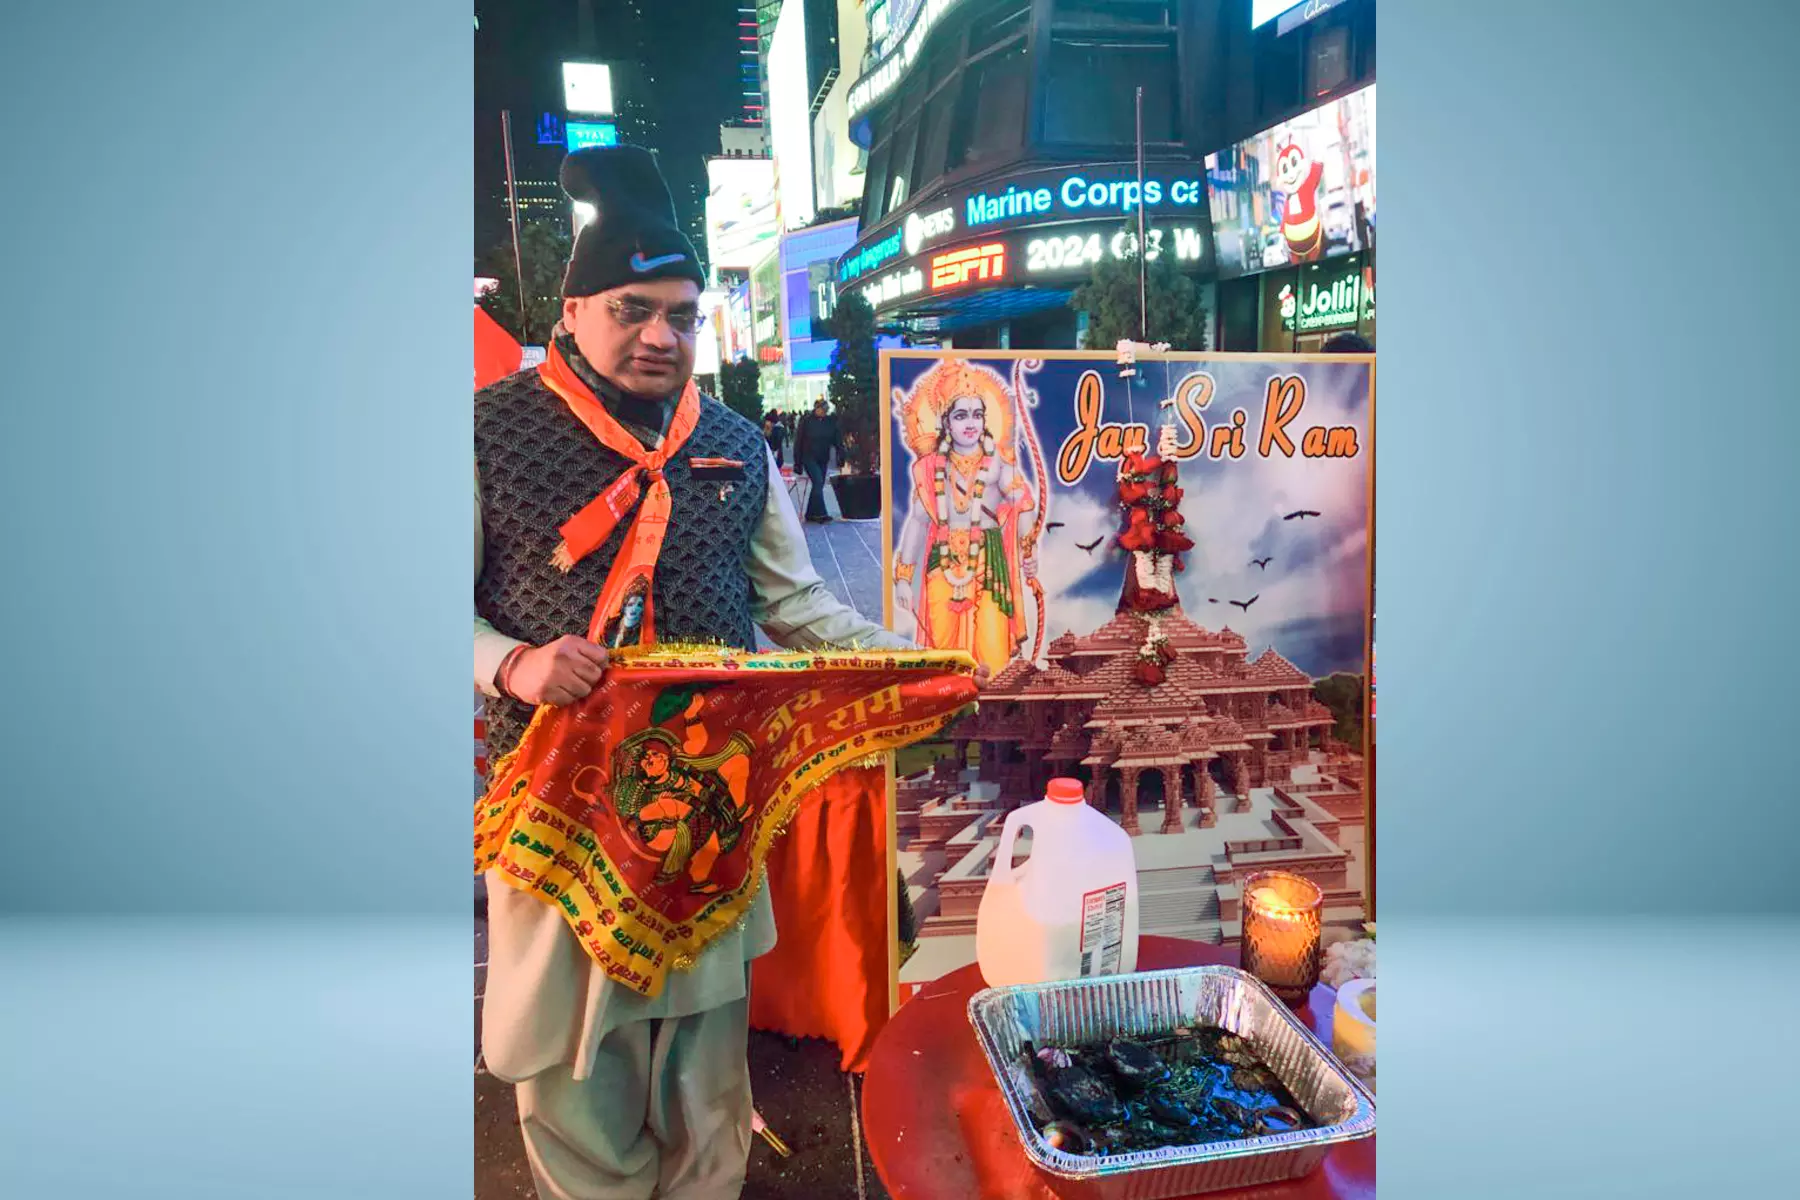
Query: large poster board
{"points": [[1004, 535]]}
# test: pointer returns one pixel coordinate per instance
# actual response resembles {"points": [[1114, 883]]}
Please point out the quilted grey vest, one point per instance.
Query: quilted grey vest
{"points": [[539, 465]]}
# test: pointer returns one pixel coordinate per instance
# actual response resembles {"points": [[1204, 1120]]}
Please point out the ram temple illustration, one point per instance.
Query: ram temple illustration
{"points": [[1227, 766]]}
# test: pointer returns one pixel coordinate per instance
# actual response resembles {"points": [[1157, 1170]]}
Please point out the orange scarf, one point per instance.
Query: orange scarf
{"points": [[633, 571]]}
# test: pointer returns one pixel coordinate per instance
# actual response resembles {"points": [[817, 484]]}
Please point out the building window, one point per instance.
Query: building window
{"points": [[990, 117], [934, 138], [875, 184], [901, 176], [991, 28], [1092, 98], [1115, 12]]}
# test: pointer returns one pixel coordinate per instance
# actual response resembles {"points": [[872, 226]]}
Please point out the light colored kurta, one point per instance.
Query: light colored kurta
{"points": [[547, 1004]]}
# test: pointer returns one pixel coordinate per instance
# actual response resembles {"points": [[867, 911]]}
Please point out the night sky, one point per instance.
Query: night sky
{"points": [[689, 53]]}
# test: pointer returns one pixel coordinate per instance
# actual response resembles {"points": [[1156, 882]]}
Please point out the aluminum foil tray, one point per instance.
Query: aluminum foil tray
{"points": [[1158, 1002]]}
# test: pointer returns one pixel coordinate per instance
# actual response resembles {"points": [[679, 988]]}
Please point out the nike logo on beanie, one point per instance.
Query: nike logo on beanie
{"points": [[640, 264], [632, 212]]}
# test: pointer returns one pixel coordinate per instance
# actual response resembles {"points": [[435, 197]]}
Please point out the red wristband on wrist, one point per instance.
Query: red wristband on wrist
{"points": [[502, 676]]}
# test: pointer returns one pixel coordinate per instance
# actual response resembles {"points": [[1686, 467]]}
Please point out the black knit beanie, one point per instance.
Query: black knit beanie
{"points": [[634, 236]]}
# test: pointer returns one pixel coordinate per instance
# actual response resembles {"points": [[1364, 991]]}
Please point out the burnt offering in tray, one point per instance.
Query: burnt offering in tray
{"points": [[1187, 1088]]}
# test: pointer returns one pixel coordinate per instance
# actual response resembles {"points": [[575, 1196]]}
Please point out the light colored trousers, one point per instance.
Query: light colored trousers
{"points": [[664, 1113]]}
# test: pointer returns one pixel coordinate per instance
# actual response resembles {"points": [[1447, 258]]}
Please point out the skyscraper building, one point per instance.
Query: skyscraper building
{"points": [[767, 13], [750, 65]]}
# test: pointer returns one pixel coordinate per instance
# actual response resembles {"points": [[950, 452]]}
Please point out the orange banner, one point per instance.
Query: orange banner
{"points": [[646, 811]]}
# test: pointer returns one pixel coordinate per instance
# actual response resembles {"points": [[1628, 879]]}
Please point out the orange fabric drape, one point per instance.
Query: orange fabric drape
{"points": [[496, 354], [828, 975]]}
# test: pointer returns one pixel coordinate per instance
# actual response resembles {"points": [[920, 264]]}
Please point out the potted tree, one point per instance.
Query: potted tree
{"points": [[855, 380], [740, 387]]}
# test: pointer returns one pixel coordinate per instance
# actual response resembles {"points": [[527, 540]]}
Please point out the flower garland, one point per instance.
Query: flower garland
{"points": [[1154, 656], [978, 485], [1150, 503]]}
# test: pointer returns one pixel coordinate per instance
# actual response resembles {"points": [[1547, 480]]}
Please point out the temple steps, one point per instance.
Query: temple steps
{"points": [[1171, 879], [1179, 902], [1209, 932], [1176, 910]]}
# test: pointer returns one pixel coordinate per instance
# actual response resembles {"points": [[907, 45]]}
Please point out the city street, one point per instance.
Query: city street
{"points": [[814, 1107]]}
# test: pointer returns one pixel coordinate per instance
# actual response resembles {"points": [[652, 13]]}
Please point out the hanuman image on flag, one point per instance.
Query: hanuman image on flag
{"points": [[964, 559], [686, 810]]}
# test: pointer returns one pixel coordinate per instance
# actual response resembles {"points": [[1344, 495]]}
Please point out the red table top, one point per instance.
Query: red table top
{"points": [[937, 1126]]}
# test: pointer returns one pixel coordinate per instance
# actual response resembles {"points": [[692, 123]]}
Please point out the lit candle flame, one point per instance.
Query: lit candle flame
{"points": [[1268, 901]]}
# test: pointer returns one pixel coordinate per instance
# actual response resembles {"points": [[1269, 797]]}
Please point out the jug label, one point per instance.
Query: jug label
{"points": [[1102, 930]]}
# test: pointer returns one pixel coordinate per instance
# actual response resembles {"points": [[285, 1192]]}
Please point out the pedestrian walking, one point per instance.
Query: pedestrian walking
{"points": [[776, 434], [814, 445]]}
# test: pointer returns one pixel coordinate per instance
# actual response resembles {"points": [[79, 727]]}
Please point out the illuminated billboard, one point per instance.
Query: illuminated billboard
{"points": [[582, 134], [706, 348], [1057, 255], [587, 88], [740, 212], [790, 117], [897, 33], [765, 307], [1264, 11], [740, 340], [1045, 196], [809, 292], [1299, 14], [1299, 192]]}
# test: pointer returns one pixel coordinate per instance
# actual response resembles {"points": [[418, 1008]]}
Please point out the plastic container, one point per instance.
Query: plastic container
{"points": [[1071, 911]]}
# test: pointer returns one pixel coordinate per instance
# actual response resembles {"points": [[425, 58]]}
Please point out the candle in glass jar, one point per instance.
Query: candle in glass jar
{"points": [[1269, 901], [1281, 932]]}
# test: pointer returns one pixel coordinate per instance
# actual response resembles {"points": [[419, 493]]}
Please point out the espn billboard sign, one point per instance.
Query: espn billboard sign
{"points": [[957, 267]]}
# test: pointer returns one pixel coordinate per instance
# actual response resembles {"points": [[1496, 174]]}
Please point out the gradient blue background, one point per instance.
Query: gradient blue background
{"points": [[236, 334], [1586, 588], [236, 524]]}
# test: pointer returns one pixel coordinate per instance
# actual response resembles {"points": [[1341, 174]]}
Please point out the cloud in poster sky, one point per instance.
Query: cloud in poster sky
{"points": [[1311, 598], [1083, 587]]}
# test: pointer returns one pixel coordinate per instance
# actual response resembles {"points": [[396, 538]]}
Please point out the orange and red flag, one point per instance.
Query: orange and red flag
{"points": [[646, 811]]}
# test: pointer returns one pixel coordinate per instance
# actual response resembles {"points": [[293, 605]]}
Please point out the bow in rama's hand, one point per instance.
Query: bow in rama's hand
{"points": [[1029, 542]]}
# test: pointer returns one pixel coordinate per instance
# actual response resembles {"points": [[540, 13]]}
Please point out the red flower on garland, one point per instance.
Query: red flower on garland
{"points": [[1149, 496], [1139, 533]]}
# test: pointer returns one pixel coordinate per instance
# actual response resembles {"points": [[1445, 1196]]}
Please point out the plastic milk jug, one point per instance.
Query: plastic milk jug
{"points": [[1072, 909]]}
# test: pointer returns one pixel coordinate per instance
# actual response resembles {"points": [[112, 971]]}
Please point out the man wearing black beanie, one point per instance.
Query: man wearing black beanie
{"points": [[621, 1095]]}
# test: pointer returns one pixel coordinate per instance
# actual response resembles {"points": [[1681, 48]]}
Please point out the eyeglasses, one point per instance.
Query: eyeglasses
{"points": [[632, 313]]}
